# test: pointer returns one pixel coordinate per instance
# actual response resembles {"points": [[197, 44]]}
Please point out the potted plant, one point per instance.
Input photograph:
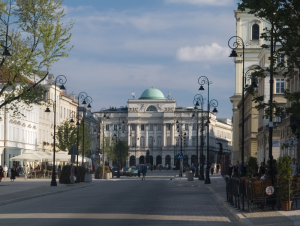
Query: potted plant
{"points": [[285, 175]]}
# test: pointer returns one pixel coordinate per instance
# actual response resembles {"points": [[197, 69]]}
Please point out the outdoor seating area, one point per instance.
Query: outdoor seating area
{"points": [[252, 194]]}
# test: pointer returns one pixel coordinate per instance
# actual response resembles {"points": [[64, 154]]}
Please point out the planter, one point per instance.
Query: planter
{"points": [[286, 205], [110, 175], [106, 176], [88, 178]]}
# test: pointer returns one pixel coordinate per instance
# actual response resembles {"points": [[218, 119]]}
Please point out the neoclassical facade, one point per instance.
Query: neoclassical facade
{"points": [[150, 126]]}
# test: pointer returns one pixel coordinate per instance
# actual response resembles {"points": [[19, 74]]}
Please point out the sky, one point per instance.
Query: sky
{"points": [[122, 46]]}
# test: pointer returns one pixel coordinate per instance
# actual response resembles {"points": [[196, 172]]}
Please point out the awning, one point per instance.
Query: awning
{"points": [[28, 156]]}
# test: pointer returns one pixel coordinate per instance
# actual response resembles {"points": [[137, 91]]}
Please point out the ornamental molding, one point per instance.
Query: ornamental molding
{"points": [[133, 109], [24, 125], [238, 61], [29, 126], [169, 109]]}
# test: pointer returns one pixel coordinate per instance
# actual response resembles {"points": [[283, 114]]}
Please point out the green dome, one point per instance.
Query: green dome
{"points": [[152, 93]]}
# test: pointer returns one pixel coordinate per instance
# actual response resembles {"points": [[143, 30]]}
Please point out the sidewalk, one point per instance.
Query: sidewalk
{"points": [[280, 218], [22, 189]]}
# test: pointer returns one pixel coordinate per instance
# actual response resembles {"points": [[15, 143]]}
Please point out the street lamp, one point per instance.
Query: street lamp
{"points": [[198, 101], [240, 43], [213, 103], [182, 136], [60, 79]]}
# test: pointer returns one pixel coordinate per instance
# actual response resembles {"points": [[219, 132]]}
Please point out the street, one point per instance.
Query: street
{"points": [[127, 201]]}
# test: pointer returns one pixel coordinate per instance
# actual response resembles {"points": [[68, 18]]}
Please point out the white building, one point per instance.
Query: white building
{"points": [[150, 125]]}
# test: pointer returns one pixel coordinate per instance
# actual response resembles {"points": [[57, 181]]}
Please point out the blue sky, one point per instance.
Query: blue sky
{"points": [[122, 46]]}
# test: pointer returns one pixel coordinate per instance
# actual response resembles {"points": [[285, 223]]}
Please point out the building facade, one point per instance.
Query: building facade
{"points": [[150, 126]]}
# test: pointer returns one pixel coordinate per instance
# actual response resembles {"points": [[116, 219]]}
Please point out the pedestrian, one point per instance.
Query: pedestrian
{"points": [[167, 167], [212, 167], [144, 172], [139, 171], [244, 170], [192, 168], [262, 169], [13, 174], [218, 168], [230, 168], [295, 167], [1, 173], [5, 171], [59, 171], [72, 174]]}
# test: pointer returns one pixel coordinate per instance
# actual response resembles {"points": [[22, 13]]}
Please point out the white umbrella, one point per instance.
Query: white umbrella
{"points": [[28, 156]]}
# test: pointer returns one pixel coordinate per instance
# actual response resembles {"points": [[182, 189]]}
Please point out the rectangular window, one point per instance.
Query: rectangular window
{"points": [[123, 127], [177, 141], [194, 141], [151, 127], [168, 126], [159, 142], [195, 126], [159, 127], [133, 127], [142, 127], [168, 141], [280, 85], [280, 58], [186, 126], [107, 127], [115, 127]]}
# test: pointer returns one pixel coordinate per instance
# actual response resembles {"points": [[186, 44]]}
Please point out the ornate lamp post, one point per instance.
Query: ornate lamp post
{"points": [[182, 136], [120, 124], [198, 101], [240, 43], [61, 79], [213, 103]]}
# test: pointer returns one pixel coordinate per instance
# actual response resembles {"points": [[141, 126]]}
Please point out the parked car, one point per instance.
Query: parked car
{"points": [[132, 171], [114, 171], [124, 171]]}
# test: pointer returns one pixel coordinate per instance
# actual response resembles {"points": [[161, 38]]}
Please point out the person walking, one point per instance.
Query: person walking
{"points": [[139, 171], [262, 169], [192, 168], [294, 166], [1, 173], [13, 174], [5, 171], [144, 172], [230, 168], [212, 168], [72, 174], [59, 171], [218, 168]]}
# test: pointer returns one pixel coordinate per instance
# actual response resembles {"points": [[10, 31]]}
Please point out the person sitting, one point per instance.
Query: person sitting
{"points": [[38, 167], [264, 177]]}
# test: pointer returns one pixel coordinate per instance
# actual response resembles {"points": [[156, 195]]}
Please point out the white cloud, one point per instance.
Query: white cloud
{"points": [[203, 2], [203, 53]]}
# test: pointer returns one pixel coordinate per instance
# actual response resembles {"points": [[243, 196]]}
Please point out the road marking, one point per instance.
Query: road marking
{"points": [[112, 216]]}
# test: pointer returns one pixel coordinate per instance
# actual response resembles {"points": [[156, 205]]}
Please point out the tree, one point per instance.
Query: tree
{"points": [[66, 136], [84, 128], [284, 15], [118, 151], [38, 39]]}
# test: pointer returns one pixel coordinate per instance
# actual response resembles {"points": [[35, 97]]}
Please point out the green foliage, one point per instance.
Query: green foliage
{"points": [[274, 167], [284, 15], [118, 151], [99, 172], [285, 173], [39, 39], [84, 129], [66, 136], [65, 175], [252, 167]]}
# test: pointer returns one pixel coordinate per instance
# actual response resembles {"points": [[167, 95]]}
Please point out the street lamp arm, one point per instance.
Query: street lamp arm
{"points": [[204, 80], [214, 103], [238, 43], [82, 96]]}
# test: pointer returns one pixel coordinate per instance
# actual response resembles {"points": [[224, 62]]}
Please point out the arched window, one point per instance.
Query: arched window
{"points": [[151, 108], [142, 140], [255, 32], [150, 142]]}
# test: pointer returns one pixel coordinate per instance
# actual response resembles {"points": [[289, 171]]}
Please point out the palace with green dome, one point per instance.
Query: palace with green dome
{"points": [[152, 134]]}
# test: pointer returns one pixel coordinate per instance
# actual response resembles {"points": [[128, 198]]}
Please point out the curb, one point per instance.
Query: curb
{"points": [[236, 214], [41, 195]]}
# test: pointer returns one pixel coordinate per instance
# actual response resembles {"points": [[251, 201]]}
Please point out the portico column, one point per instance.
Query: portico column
{"points": [[172, 134], [146, 138], [129, 137], [155, 138], [164, 135], [190, 135], [137, 135]]}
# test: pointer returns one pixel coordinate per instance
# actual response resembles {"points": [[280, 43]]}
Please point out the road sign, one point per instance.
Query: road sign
{"points": [[180, 156], [73, 150], [291, 142]]}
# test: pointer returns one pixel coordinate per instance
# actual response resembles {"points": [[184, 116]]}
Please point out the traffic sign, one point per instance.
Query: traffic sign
{"points": [[291, 142], [180, 156]]}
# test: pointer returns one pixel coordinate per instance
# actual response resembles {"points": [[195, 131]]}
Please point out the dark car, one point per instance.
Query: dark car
{"points": [[132, 171], [114, 171], [124, 171]]}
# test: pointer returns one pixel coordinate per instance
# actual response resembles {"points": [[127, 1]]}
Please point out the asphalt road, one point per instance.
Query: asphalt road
{"points": [[128, 201]]}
